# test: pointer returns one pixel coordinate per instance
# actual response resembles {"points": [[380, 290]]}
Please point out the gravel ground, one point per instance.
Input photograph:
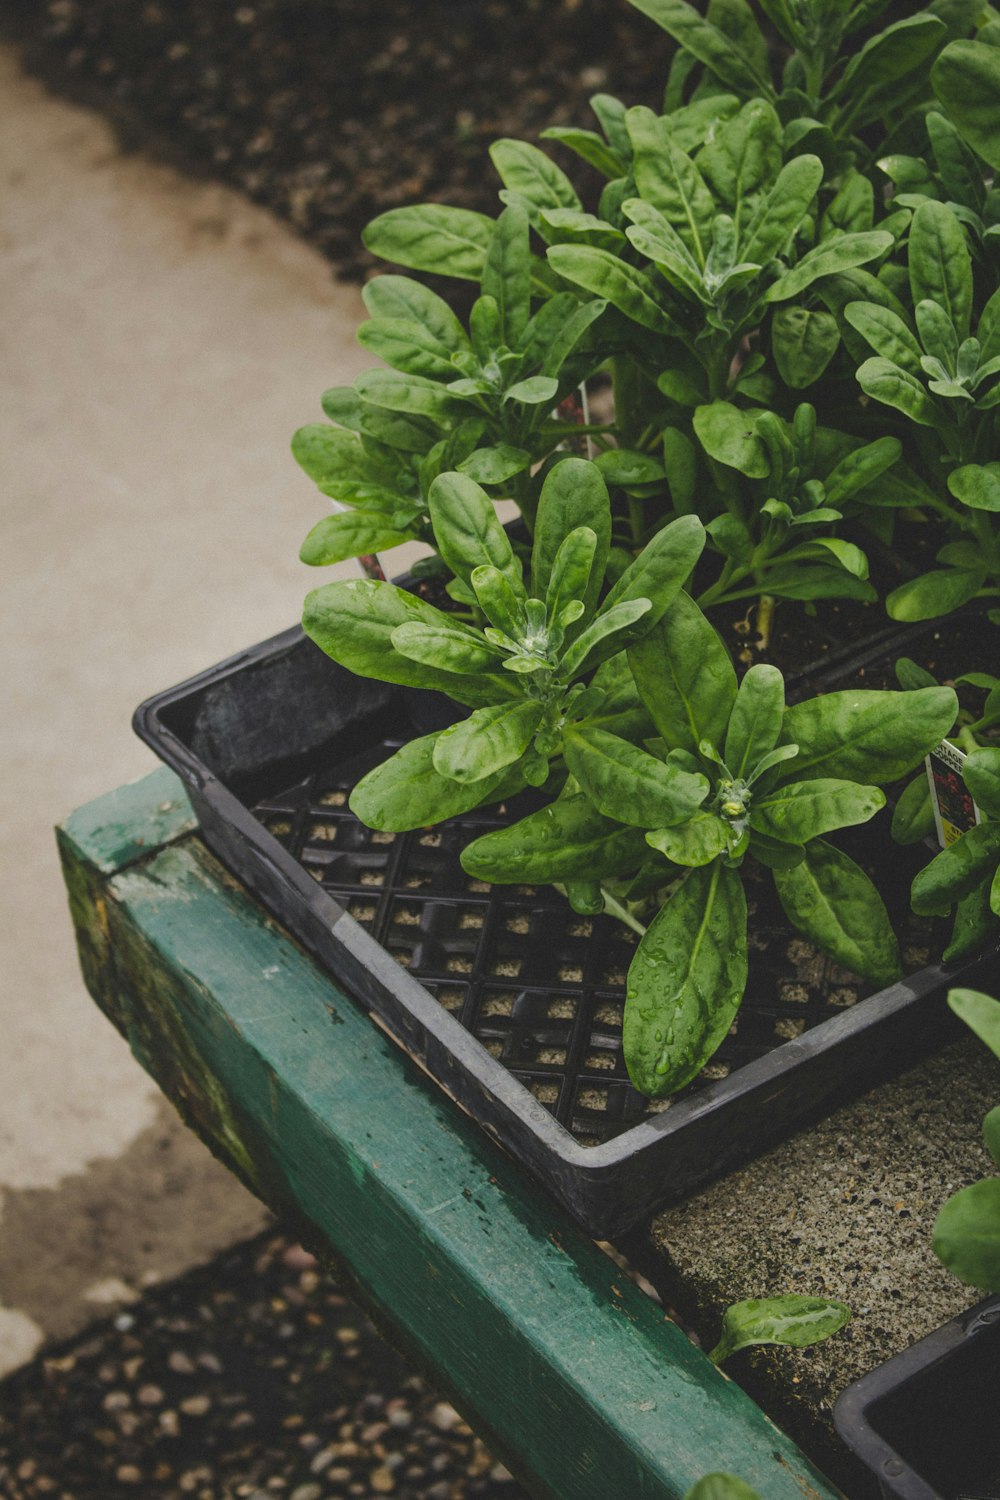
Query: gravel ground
{"points": [[330, 111], [253, 1377]]}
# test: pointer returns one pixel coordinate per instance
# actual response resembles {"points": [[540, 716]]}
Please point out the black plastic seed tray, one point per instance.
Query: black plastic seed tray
{"points": [[925, 1423], [508, 998]]}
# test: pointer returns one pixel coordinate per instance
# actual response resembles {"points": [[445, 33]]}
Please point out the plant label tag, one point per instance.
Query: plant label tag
{"points": [[954, 810]]}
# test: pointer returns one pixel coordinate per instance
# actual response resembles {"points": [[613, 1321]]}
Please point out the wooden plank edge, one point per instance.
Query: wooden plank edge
{"points": [[540, 1340]]}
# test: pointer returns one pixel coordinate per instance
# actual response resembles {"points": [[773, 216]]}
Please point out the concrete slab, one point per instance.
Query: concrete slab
{"points": [[161, 340]]}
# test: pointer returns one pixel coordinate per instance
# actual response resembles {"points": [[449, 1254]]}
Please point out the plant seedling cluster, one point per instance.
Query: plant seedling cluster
{"points": [[786, 283]]}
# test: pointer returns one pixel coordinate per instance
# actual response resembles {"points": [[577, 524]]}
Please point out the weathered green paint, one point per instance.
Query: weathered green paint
{"points": [[572, 1372]]}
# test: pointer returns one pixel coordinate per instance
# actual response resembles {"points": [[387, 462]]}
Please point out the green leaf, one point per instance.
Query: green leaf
{"points": [[400, 297], [661, 569], [980, 1013], [887, 334], [432, 237], [721, 1487], [829, 259], [966, 1235], [793, 1321], [803, 342], [487, 741], [728, 434], [697, 842], [353, 621], [406, 393], [977, 486], [407, 347], [526, 170], [537, 390], [573, 494], [629, 470], [913, 815], [933, 594], [802, 810], [782, 210], [568, 226], [745, 154], [708, 44], [685, 677], [940, 264], [991, 1133], [755, 722], [406, 791], [629, 784], [655, 238], [832, 901], [956, 870], [495, 465], [447, 647], [981, 774], [852, 208], [668, 179], [802, 580], [975, 923], [588, 145], [566, 840], [860, 468], [868, 736], [624, 286], [351, 534], [572, 572], [966, 78], [686, 981], [468, 533], [891, 54], [893, 386], [849, 556], [603, 636], [330, 455], [502, 605], [507, 272]]}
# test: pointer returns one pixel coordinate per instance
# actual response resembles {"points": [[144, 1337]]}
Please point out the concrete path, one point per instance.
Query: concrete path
{"points": [[161, 339]]}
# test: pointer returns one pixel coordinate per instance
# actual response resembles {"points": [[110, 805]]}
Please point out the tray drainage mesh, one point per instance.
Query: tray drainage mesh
{"points": [[541, 987]]}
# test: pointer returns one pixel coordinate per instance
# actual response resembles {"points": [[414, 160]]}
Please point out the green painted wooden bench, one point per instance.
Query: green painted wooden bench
{"points": [[576, 1379]]}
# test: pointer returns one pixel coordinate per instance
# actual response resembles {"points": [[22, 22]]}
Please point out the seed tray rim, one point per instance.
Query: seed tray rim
{"points": [[274, 876]]}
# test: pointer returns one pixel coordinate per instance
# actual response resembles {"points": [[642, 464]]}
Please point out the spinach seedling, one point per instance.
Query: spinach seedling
{"points": [[943, 378], [966, 875], [966, 1234], [773, 782], [542, 661]]}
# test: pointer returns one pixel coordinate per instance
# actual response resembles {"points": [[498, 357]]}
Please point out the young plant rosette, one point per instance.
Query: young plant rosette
{"points": [[665, 773]]}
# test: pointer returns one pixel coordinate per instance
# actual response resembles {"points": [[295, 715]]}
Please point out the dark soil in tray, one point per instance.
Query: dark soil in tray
{"points": [[331, 111], [541, 987], [253, 1377]]}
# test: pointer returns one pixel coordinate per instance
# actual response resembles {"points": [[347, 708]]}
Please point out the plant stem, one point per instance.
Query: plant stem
{"points": [[614, 908]]}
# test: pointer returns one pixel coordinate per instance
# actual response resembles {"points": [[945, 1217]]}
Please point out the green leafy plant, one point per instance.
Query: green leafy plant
{"points": [[767, 782], [543, 661], [966, 1235], [788, 277], [792, 1321], [966, 875]]}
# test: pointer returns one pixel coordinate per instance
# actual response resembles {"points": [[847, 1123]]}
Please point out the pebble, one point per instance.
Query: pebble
{"points": [[180, 1363], [150, 1395], [444, 1416], [307, 1492], [382, 1481], [195, 1406], [117, 1401], [128, 1474]]}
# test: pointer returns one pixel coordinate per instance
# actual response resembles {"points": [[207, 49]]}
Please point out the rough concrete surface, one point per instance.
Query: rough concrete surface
{"points": [[844, 1209], [161, 340]]}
